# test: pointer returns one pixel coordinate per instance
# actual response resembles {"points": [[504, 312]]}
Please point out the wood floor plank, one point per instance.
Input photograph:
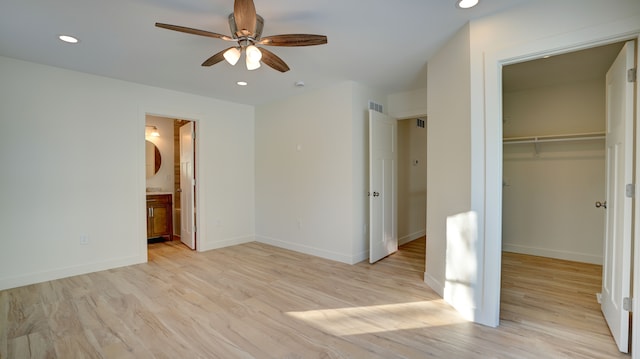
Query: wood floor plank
{"points": [[258, 301]]}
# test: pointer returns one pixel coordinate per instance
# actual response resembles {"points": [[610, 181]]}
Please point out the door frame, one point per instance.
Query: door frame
{"points": [[405, 117], [605, 169], [143, 190], [423, 117], [490, 158]]}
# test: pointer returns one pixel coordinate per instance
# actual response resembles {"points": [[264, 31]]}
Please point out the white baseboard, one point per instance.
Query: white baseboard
{"points": [[434, 284], [318, 252], [210, 245], [364, 256], [411, 237], [59, 273], [553, 253]]}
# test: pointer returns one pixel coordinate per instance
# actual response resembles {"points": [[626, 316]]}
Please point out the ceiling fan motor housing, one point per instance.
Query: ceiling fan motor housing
{"points": [[255, 35]]}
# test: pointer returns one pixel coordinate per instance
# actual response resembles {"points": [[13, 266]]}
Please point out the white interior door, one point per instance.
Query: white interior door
{"points": [[383, 191], [187, 186], [616, 272]]}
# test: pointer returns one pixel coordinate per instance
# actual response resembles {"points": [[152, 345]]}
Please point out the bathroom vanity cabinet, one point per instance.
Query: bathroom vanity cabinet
{"points": [[159, 216]]}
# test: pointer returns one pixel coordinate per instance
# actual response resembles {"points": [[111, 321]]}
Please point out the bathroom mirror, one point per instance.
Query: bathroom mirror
{"points": [[153, 159]]}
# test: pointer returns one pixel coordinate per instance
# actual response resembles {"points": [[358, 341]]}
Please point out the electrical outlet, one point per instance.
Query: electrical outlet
{"points": [[84, 239]]}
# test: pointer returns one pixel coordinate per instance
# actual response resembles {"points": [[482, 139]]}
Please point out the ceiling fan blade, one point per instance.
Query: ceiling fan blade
{"points": [[272, 60], [215, 58], [244, 12], [189, 30], [293, 40]]}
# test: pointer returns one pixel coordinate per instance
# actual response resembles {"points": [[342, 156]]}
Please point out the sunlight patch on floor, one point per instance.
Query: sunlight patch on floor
{"points": [[380, 318]]}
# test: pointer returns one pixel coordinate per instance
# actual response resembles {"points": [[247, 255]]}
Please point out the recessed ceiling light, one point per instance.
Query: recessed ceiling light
{"points": [[242, 83], [69, 39], [466, 4]]}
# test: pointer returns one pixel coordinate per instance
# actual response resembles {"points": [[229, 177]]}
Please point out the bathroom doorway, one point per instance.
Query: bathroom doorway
{"points": [[172, 180]]}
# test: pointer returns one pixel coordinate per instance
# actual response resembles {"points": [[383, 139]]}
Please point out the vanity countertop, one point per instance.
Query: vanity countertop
{"points": [[152, 193]]}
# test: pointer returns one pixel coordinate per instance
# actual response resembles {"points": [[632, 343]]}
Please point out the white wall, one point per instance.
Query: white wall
{"points": [[310, 162], [448, 149], [412, 181], [408, 103], [164, 179], [548, 198], [72, 153], [577, 107]]}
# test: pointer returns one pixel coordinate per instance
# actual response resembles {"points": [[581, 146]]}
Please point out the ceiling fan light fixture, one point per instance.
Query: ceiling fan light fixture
{"points": [[154, 131], [252, 65], [253, 54], [232, 55], [466, 4], [246, 31]]}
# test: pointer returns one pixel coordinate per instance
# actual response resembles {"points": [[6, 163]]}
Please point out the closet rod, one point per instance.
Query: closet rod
{"points": [[555, 138]]}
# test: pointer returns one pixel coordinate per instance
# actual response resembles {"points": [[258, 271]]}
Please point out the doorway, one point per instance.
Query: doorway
{"points": [[398, 160], [554, 154], [554, 174], [174, 179], [412, 179]]}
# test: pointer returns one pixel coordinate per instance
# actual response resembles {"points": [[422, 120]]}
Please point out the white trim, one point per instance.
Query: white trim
{"points": [[411, 237], [359, 257], [408, 115], [635, 285], [553, 253], [314, 251], [142, 188], [59, 273], [207, 246], [434, 284]]}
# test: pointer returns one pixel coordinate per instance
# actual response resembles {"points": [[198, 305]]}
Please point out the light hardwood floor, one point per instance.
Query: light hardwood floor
{"points": [[258, 301]]}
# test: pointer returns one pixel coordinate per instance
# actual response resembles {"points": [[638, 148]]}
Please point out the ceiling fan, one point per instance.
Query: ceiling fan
{"points": [[246, 31]]}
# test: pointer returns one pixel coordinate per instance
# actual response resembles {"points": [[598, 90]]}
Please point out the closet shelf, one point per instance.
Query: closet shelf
{"points": [[556, 138]]}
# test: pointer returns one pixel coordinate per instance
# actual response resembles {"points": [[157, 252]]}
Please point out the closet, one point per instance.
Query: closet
{"points": [[554, 155]]}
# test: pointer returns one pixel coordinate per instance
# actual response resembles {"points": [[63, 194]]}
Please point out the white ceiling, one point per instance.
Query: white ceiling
{"points": [[380, 43], [585, 65]]}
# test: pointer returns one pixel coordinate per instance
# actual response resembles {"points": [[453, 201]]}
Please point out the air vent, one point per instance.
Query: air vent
{"points": [[420, 123], [375, 106]]}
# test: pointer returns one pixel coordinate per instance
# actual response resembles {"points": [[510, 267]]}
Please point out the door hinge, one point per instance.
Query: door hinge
{"points": [[195, 229], [627, 304], [630, 190], [632, 74]]}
